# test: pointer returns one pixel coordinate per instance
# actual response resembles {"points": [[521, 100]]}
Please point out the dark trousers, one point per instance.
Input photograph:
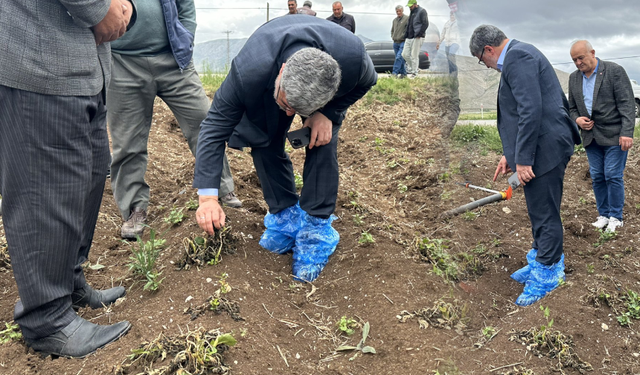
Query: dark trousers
{"points": [[544, 195], [320, 176], [54, 153]]}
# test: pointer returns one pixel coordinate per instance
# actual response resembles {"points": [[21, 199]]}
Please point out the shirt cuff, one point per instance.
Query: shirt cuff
{"points": [[208, 192]]}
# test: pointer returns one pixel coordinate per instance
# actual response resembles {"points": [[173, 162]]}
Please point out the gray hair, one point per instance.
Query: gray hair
{"points": [[310, 79], [485, 35], [586, 44], [398, 7], [307, 4], [336, 2]]}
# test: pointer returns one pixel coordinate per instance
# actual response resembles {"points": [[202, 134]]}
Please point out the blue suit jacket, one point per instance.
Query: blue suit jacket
{"points": [[244, 112], [533, 116]]}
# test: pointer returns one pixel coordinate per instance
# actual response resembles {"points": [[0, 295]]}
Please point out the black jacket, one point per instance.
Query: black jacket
{"points": [[418, 23]]}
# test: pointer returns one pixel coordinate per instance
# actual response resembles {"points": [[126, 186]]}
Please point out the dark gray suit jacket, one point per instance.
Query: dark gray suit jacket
{"points": [[244, 112], [533, 116], [613, 109], [47, 46]]}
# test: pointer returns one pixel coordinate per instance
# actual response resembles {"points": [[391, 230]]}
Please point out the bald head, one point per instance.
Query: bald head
{"points": [[584, 56]]}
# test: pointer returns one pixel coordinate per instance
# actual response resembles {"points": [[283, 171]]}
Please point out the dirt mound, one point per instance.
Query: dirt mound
{"points": [[397, 266]]}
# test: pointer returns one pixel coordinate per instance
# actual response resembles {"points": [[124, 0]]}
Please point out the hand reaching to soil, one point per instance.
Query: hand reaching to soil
{"points": [[210, 214]]}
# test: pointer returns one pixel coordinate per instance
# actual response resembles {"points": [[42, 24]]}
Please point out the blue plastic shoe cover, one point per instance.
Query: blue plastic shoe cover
{"points": [[522, 274], [542, 280], [315, 242], [282, 228]]}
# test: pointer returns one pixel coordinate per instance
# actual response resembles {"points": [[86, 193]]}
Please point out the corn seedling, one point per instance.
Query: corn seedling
{"points": [[360, 348]]}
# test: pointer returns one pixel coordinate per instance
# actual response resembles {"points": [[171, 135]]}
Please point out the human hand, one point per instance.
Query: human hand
{"points": [[210, 214], [525, 173], [321, 129], [625, 143], [437, 46], [503, 168], [584, 123], [114, 24]]}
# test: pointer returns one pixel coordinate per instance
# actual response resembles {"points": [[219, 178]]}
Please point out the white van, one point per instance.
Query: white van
{"points": [[636, 94]]}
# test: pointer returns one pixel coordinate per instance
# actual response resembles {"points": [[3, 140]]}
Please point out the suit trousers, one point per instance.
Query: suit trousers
{"points": [[320, 176], [135, 83], [544, 195], [54, 153]]}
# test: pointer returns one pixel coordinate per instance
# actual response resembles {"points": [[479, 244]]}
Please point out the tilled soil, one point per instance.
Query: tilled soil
{"points": [[397, 177]]}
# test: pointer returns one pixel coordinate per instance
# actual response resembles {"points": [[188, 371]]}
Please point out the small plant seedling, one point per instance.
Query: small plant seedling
{"points": [[633, 308], [358, 219], [175, 216], [392, 164], [590, 268], [192, 205], [470, 215], [378, 141], [366, 238], [347, 325], [360, 347], [402, 188], [488, 332], [582, 200], [143, 260], [11, 332], [605, 236]]}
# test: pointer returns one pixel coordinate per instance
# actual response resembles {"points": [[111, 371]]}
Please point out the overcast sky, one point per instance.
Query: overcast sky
{"points": [[612, 27]]}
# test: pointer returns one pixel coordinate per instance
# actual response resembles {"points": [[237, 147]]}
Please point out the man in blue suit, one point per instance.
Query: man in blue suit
{"points": [[290, 65], [538, 138]]}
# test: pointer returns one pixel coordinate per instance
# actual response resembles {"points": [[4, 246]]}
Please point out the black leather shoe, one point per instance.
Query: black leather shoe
{"points": [[78, 339], [96, 299]]}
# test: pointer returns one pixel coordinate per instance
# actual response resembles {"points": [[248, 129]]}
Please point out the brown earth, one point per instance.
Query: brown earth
{"points": [[393, 186]]}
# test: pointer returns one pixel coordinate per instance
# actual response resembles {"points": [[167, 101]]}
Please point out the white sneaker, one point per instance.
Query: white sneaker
{"points": [[600, 222], [613, 224]]}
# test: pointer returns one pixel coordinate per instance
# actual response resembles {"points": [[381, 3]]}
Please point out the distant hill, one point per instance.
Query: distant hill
{"points": [[479, 85], [214, 52]]}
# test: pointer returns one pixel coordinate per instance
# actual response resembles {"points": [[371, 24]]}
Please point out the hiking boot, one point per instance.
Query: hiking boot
{"points": [[134, 227], [231, 200], [600, 222], [613, 224]]}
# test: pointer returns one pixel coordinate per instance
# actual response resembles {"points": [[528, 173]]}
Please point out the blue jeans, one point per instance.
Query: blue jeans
{"points": [[399, 66], [606, 165], [450, 51]]}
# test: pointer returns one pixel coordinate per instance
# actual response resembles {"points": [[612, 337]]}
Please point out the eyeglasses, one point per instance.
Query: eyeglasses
{"points": [[480, 60]]}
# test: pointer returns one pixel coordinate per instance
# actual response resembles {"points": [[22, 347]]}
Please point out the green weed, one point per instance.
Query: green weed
{"points": [[192, 205], [11, 332], [488, 332], [633, 308], [299, 181], [358, 219], [360, 348], [212, 80], [470, 215], [347, 325], [402, 188], [605, 236], [143, 260], [176, 216], [366, 238]]}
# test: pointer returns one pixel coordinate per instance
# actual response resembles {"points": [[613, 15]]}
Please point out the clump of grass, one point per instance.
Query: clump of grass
{"points": [[143, 260], [193, 352], [211, 80], [486, 115], [391, 91], [487, 137]]}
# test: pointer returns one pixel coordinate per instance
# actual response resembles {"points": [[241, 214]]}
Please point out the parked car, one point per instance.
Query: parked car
{"points": [[382, 55], [636, 94]]}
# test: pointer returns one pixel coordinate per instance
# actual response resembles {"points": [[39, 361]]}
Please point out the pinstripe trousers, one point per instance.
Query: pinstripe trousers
{"points": [[54, 154]]}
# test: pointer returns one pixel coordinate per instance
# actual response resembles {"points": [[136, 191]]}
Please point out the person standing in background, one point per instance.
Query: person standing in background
{"points": [[306, 9], [343, 19], [450, 37], [155, 59], [293, 6], [398, 32], [601, 103], [416, 31]]}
